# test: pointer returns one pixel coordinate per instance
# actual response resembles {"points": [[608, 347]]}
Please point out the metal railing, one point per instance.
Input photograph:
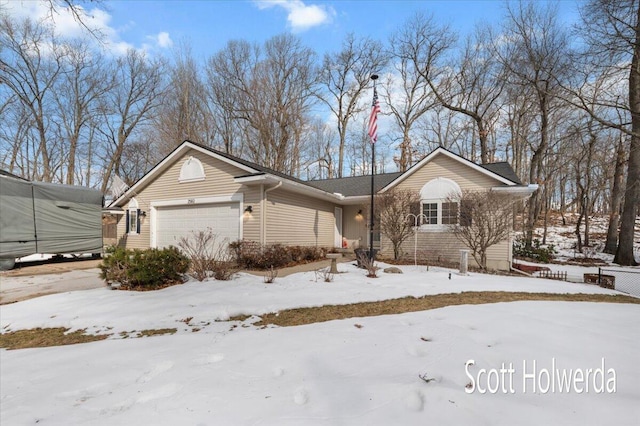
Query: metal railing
{"points": [[625, 281]]}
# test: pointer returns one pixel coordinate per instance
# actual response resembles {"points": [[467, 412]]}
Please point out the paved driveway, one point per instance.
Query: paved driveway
{"points": [[47, 278]]}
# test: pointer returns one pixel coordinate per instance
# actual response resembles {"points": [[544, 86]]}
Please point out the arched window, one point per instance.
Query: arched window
{"points": [[438, 200], [191, 170], [133, 217]]}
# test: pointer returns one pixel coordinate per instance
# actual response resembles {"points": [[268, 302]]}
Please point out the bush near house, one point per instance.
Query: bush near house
{"points": [[208, 256], [144, 269], [252, 255], [535, 252]]}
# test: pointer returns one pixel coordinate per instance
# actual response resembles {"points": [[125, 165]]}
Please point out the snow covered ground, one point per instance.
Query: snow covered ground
{"points": [[564, 240], [352, 372], [103, 310]]}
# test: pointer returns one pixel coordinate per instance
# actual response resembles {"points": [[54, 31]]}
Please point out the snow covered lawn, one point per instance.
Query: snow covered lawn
{"points": [[102, 310], [354, 371]]}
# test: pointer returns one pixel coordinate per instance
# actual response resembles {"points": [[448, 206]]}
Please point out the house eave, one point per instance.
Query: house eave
{"points": [[356, 199], [256, 179], [519, 191], [309, 190], [113, 210]]}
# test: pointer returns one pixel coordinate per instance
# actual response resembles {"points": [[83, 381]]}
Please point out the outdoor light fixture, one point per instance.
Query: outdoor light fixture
{"points": [[249, 210], [143, 214], [359, 215]]}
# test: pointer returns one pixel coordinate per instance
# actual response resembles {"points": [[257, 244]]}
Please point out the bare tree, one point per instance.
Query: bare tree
{"points": [[392, 208], [76, 10], [77, 97], [471, 86], [611, 30], [346, 76], [416, 49], [318, 150], [485, 220], [271, 89], [31, 61], [535, 59], [617, 186], [183, 112], [130, 105]]}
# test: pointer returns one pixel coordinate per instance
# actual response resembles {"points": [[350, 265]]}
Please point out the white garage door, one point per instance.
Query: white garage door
{"points": [[179, 221]]}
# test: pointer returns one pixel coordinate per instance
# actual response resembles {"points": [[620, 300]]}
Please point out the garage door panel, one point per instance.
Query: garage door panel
{"points": [[176, 222]]}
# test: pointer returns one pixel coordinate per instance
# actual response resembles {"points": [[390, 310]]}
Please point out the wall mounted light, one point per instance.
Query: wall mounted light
{"points": [[249, 209], [359, 215], [143, 213]]}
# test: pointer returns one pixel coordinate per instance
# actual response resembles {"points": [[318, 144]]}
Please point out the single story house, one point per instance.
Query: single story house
{"points": [[196, 187]]}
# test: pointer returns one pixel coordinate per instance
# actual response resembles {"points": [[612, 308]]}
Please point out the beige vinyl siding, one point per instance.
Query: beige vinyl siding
{"points": [[440, 246], [444, 248], [355, 231], [218, 181], [446, 167], [296, 219]]}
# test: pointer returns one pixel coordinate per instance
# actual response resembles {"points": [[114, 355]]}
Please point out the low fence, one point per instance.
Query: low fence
{"points": [[625, 281], [551, 275]]}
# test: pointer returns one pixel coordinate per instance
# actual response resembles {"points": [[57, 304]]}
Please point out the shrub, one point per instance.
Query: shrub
{"points": [[368, 263], [270, 275], [208, 256], [144, 269], [536, 251], [324, 274], [251, 255]]}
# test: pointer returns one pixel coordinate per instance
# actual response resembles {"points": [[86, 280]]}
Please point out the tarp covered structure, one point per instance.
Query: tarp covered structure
{"points": [[38, 217]]}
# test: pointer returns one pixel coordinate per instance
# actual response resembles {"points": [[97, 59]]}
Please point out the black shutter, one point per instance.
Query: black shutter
{"points": [[138, 221], [127, 222], [466, 213]]}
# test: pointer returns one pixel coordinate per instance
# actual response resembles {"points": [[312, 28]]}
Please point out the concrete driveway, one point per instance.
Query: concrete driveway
{"points": [[39, 279]]}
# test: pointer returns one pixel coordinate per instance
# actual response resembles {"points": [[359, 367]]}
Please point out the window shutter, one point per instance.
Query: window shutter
{"points": [[127, 222], [466, 213], [138, 221], [414, 209]]}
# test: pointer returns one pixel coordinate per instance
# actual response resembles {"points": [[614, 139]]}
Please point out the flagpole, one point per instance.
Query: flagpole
{"points": [[374, 77]]}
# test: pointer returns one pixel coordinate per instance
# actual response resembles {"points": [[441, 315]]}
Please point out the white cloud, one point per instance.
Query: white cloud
{"points": [[164, 40], [300, 16], [67, 26]]}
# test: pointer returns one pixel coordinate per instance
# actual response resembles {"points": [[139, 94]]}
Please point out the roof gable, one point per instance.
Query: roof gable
{"points": [[487, 169], [173, 156], [348, 187]]}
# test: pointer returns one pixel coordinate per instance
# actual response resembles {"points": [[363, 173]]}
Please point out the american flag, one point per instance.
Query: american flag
{"points": [[373, 118]]}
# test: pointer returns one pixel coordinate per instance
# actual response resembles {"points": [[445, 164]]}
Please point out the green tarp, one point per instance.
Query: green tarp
{"points": [[48, 218]]}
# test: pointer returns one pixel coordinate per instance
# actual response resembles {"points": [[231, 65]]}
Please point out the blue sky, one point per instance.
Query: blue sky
{"points": [[159, 26]]}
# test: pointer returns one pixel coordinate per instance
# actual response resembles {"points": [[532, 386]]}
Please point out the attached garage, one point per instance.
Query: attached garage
{"points": [[172, 222]]}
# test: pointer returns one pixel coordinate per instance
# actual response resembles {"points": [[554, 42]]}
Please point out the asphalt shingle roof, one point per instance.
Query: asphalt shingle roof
{"points": [[503, 169], [354, 185]]}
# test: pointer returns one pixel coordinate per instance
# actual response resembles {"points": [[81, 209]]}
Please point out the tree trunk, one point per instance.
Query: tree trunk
{"points": [[624, 254], [483, 136], [616, 200]]}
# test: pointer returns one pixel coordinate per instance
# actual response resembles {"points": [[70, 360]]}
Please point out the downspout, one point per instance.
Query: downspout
{"points": [[264, 210], [512, 269]]}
